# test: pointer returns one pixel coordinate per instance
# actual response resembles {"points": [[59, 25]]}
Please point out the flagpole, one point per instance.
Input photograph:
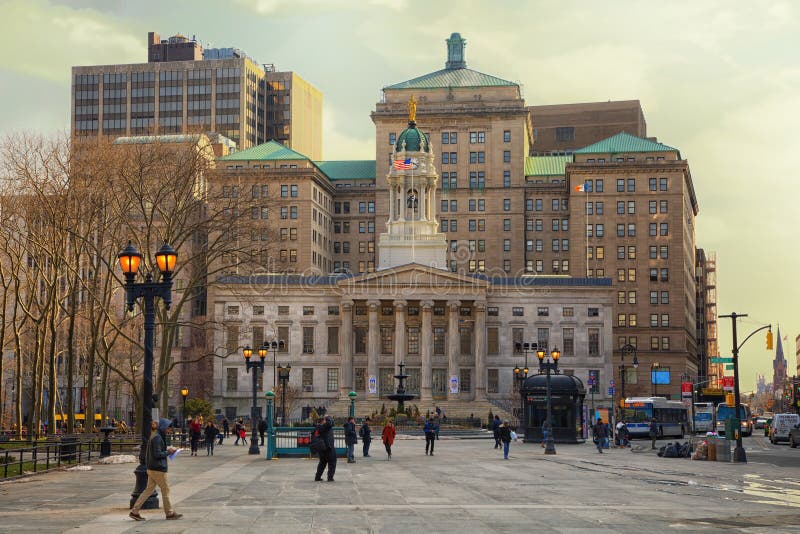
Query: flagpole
{"points": [[585, 228]]}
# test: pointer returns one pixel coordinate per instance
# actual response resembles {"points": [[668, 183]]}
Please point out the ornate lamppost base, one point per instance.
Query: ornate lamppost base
{"points": [[141, 483]]}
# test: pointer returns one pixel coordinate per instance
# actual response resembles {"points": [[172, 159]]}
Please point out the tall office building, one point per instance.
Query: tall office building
{"points": [[183, 88]]}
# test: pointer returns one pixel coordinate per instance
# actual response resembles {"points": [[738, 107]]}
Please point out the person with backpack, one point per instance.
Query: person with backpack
{"points": [[350, 439], [430, 435], [505, 437], [600, 431], [195, 427], [366, 437], [387, 436], [156, 462], [322, 441]]}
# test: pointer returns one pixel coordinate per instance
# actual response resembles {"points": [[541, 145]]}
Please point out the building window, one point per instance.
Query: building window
{"points": [[565, 133], [231, 379], [663, 229], [651, 182], [654, 343], [518, 311], [466, 380], [439, 335], [333, 379], [308, 340], [665, 319], [662, 184], [543, 338], [568, 337], [492, 341], [542, 311], [506, 136], [665, 343], [232, 344], [492, 381], [594, 342], [621, 319], [308, 379], [387, 340], [465, 338], [413, 340], [308, 310], [506, 179], [392, 138], [506, 156], [665, 297], [333, 340]]}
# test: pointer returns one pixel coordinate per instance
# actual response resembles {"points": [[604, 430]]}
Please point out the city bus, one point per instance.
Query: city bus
{"points": [[703, 416], [672, 417], [725, 412]]}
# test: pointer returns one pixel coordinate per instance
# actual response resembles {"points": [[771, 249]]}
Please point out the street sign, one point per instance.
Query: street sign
{"points": [[711, 391], [591, 381], [686, 389], [729, 367], [612, 390], [727, 383], [612, 383], [721, 360]]}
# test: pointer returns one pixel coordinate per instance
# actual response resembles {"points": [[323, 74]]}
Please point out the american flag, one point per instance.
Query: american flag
{"points": [[402, 164]]}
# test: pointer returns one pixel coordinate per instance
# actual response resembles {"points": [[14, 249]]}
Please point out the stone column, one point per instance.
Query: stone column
{"points": [[426, 351], [480, 350], [453, 346], [399, 332], [423, 214], [346, 349], [373, 345], [432, 206]]}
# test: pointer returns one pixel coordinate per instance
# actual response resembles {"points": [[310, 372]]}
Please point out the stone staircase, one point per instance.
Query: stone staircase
{"points": [[453, 409]]}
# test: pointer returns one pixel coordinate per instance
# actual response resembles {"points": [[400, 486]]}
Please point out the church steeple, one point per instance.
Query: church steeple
{"points": [[455, 52]]}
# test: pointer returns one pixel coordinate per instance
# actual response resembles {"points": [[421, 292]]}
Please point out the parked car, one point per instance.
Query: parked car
{"points": [[794, 436], [782, 423]]}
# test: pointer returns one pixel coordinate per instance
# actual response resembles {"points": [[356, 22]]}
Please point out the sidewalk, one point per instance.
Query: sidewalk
{"points": [[465, 487]]}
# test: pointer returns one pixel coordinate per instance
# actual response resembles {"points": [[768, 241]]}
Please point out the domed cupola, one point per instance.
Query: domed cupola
{"points": [[412, 140]]}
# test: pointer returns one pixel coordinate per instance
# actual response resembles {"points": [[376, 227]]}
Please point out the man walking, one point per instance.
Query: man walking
{"points": [[547, 427], [225, 427], [505, 437], [210, 433], [653, 432], [496, 431], [236, 428], [262, 428], [156, 463], [327, 456], [350, 439], [366, 437], [430, 435], [600, 434]]}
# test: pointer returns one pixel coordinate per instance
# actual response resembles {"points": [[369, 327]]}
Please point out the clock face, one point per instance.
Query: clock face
{"points": [[415, 163]]}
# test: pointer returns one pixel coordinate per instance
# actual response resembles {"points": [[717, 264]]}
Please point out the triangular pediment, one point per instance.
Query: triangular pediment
{"points": [[404, 281]]}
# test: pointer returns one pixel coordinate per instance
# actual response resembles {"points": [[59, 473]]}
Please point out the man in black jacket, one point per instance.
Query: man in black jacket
{"points": [[262, 428], [156, 462], [366, 437], [350, 439], [327, 457]]}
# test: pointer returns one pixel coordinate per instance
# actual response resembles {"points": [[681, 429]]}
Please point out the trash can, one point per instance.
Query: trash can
{"points": [[723, 447], [69, 446], [712, 448]]}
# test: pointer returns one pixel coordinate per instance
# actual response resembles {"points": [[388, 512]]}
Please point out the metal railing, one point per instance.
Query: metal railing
{"points": [[50, 454]]}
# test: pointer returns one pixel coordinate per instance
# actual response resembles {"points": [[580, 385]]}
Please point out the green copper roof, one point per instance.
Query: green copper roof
{"points": [[271, 150], [546, 165], [348, 170], [624, 142], [415, 141], [452, 78]]}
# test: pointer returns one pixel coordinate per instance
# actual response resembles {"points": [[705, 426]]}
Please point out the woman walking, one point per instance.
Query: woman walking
{"points": [[505, 437], [387, 436], [211, 436], [194, 434]]}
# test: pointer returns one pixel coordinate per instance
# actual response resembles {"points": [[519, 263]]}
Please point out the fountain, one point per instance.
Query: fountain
{"points": [[401, 396]]}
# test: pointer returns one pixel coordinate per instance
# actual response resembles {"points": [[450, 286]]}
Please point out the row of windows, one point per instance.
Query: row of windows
{"points": [[172, 90], [556, 245], [114, 124], [86, 79], [115, 78], [538, 204], [536, 225], [228, 88], [143, 92], [170, 106], [537, 265]]}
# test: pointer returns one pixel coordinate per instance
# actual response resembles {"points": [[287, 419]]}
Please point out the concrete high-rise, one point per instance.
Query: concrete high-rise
{"points": [[183, 88]]}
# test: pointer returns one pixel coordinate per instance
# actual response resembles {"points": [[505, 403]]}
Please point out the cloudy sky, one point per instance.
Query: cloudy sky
{"points": [[717, 79]]}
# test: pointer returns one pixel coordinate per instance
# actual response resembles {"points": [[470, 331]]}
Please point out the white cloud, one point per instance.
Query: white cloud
{"points": [[271, 7], [44, 40], [338, 144]]}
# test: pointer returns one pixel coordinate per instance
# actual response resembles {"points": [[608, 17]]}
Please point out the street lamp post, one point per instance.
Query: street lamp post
{"points": [[548, 366], [519, 376], [256, 366], [184, 394], [352, 396], [129, 260], [275, 345], [283, 376], [625, 350]]}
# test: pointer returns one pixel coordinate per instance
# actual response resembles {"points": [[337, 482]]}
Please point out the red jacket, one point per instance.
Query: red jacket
{"points": [[388, 434]]}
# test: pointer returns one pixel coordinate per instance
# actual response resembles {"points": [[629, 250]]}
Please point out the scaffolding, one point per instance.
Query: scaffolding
{"points": [[715, 371]]}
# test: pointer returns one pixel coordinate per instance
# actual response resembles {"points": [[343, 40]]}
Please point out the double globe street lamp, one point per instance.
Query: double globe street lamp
{"points": [[519, 377], [548, 367], [283, 376], [626, 350], [256, 366], [129, 260]]}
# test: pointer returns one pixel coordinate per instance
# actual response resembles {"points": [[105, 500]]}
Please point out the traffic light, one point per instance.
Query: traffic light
{"points": [[769, 340]]}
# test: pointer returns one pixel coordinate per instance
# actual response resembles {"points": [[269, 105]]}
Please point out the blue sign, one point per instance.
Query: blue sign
{"points": [[591, 381], [612, 390]]}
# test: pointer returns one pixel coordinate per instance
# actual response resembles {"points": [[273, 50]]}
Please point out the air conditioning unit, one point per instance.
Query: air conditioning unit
{"points": [[308, 388]]}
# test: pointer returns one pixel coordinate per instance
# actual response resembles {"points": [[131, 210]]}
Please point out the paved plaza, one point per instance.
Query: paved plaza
{"points": [[466, 487]]}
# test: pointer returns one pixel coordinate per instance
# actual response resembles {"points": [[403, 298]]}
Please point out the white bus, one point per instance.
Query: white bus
{"points": [[703, 416], [672, 417]]}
